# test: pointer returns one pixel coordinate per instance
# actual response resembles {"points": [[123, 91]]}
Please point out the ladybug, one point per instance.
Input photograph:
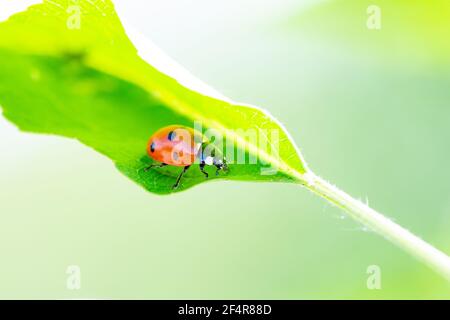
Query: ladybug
{"points": [[182, 146]]}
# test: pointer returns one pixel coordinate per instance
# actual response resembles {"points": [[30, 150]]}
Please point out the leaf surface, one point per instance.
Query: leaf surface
{"points": [[90, 83]]}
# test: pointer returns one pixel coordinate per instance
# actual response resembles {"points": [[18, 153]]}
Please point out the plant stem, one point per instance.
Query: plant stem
{"points": [[374, 220]]}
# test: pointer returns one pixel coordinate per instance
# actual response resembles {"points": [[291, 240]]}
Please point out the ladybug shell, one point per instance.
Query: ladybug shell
{"points": [[175, 145]]}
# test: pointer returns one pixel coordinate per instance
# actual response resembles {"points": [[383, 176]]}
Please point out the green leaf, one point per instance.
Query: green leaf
{"points": [[73, 71], [90, 84]]}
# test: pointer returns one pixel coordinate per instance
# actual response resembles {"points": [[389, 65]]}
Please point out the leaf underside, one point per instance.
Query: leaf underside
{"points": [[90, 84]]}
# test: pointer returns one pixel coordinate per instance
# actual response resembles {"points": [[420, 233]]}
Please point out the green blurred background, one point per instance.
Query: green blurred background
{"points": [[369, 109]]}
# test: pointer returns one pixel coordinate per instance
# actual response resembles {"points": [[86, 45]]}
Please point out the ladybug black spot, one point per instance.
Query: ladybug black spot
{"points": [[171, 135], [152, 147]]}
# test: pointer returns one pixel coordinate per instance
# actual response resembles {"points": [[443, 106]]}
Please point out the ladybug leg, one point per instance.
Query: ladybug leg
{"points": [[155, 166], [221, 165], [177, 183], [225, 165], [202, 168]]}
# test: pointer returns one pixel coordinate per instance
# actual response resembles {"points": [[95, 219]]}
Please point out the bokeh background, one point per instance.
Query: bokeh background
{"points": [[369, 109]]}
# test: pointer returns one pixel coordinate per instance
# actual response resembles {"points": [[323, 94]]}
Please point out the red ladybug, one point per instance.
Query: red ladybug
{"points": [[181, 146]]}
